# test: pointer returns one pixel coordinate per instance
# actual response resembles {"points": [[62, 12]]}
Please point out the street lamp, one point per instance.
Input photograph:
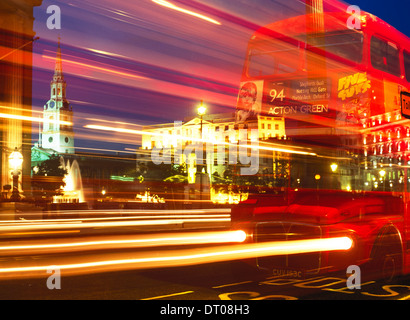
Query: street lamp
{"points": [[201, 109], [382, 173], [201, 112], [333, 180], [15, 162]]}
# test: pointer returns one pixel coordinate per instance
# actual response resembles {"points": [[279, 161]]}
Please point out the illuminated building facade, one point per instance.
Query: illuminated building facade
{"points": [[220, 134], [386, 145], [217, 129]]}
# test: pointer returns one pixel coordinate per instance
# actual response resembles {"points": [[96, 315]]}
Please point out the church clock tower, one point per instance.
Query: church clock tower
{"points": [[56, 133]]}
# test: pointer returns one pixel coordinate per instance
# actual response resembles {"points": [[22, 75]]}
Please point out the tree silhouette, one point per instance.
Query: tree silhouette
{"points": [[48, 177]]}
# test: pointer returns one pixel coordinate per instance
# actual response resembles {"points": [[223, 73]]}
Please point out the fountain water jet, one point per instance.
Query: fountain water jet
{"points": [[72, 192]]}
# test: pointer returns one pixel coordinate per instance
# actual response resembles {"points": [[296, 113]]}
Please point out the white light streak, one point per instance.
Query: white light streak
{"points": [[170, 5], [32, 119]]}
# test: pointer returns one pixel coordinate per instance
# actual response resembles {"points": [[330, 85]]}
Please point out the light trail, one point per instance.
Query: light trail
{"points": [[104, 224], [170, 5], [120, 242], [99, 68], [106, 53], [117, 214], [121, 130], [172, 258], [96, 219], [32, 119]]}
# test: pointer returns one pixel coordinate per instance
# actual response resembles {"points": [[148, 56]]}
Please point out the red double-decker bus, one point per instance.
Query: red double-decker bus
{"points": [[338, 92]]}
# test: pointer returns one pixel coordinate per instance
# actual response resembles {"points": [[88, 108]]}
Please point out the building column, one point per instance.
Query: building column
{"points": [[16, 31]]}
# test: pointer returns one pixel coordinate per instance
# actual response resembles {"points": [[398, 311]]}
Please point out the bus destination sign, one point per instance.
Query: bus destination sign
{"points": [[297, 97], [405, 104]]}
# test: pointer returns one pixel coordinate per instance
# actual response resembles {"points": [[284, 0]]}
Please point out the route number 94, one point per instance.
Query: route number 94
{"points": [[275, 94]]}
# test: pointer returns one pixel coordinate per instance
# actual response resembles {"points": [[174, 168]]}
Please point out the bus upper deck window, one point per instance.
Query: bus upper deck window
{"points": [[260, 64], [346, 45], [385, 56], [407, 64], [272, 57]]}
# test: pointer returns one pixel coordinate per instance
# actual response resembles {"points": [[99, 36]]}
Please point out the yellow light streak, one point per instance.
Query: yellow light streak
{"points": [[170, 5], [120, 130], [132, 214], [75, 225], [33, 119], [130, 241], [38, 232], [84, 221], [136, 260]]}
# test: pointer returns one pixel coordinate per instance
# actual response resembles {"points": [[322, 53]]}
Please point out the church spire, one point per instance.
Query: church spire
{"points": [[55, 135], [58, 84], [58, 69]]}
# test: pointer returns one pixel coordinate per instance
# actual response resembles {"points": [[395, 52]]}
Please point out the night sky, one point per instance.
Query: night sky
{"points": [[131, 63], [394, 12]]}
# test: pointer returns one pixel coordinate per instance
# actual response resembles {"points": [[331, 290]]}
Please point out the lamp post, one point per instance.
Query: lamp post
{"points": [[201, 112], [15, 162], [19, 48]]}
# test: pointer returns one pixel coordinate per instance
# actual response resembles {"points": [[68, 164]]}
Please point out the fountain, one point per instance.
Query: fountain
{"points": [[72, 192]]}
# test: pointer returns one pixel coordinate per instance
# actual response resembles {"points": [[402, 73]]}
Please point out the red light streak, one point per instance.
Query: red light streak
{"points": [[98, 68]]}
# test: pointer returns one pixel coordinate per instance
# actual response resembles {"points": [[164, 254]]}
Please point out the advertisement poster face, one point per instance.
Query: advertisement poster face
{"points": [[249, 100]]}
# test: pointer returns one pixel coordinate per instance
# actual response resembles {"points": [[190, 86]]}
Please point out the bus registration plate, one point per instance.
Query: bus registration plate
{"points": [[290, 273]]}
